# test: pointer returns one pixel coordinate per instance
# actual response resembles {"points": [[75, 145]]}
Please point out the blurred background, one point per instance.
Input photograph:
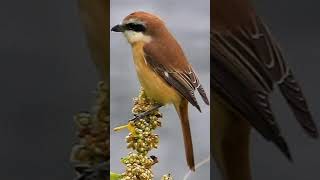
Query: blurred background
{"points": [[189, 22], [46, 77], [295, 26]]}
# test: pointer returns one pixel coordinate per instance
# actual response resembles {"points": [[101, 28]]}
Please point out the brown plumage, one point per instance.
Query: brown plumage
{"points": [[246, 63], [163, 69], [95, 17]]}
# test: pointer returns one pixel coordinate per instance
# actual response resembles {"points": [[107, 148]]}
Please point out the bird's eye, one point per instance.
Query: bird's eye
{"points": [[136, 27]]}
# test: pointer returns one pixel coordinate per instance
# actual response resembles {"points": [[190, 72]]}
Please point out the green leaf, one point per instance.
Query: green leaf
{"points": [[114, 176]]}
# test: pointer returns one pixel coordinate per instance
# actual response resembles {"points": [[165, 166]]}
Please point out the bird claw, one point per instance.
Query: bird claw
{"points": [[146, 113]]}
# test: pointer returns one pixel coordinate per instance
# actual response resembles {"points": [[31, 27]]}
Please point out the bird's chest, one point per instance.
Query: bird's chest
{"points": [[155, 87]]}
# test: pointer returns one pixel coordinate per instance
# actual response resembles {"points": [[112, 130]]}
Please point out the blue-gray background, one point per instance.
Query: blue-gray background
{"points": [[296, 27], [189, 22]]}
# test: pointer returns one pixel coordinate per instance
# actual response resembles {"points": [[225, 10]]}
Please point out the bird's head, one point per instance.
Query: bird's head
{"points": [[140, 27]]}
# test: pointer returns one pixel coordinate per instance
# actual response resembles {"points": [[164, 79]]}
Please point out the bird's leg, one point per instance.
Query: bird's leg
{"points": [[146, 113], [130, 125]]}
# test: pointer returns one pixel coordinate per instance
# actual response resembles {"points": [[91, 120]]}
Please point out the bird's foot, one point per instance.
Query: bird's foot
{"points": [[130, 125], [146, 113]]}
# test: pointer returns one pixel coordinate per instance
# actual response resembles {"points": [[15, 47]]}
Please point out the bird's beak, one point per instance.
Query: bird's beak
{"points": [[117, 28]]}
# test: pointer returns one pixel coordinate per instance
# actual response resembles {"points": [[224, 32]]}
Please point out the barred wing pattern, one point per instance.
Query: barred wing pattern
{"points": [[184, 81], [245, 65]]}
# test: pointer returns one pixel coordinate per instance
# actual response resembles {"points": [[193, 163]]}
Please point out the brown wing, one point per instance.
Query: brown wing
{"points": [[280, 73], [94, 16], [175, 70], [245, 64]]}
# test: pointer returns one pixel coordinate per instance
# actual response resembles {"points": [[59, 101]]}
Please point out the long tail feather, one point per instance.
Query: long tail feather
{"points": [[182, 110]]}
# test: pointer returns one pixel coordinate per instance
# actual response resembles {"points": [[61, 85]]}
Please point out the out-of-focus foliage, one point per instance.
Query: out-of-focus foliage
{"points": [[91, 154]]}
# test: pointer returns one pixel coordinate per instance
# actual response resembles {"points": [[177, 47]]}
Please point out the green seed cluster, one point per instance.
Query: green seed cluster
{"points": [[142, 139], [138, 167], [167, 177]]}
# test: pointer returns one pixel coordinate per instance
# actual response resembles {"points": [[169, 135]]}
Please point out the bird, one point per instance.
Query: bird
{"points": [[246, 66], [162, 69]]}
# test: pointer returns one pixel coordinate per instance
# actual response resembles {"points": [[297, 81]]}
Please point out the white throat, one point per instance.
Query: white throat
{"points": [[134, 37]]}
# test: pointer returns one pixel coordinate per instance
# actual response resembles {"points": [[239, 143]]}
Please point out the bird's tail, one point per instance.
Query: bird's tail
{"points": [[293, 94], [182, 110], [230, 142]]}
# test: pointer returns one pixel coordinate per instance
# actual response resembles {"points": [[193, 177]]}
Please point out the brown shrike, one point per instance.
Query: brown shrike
{"points": [[162, 68], [246, 64]]}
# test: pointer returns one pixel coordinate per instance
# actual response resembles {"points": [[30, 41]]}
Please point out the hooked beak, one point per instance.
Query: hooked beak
{"points": [[117, 28]]}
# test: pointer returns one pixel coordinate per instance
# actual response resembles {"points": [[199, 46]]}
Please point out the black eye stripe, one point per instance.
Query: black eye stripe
{"points": [[136, 27]]}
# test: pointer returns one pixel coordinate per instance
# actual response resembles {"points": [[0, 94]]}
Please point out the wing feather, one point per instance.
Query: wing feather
{"points": [[245, 65], [182, 78]]}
